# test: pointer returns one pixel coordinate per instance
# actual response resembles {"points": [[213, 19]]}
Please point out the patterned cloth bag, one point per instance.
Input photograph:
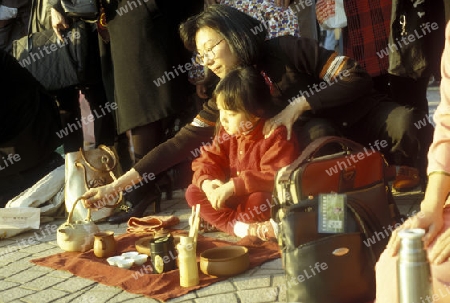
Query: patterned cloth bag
{"points": [[331, 14], [277, 20]]}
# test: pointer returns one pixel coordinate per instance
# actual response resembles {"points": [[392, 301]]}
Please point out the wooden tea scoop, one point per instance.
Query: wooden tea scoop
{"points": [[193, 231]]}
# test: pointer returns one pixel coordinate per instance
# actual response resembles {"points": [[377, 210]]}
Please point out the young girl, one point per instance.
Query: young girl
{"points": [[234, 176]]}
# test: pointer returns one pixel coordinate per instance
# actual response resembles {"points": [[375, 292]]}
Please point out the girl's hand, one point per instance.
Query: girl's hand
{"points": [[287, 117], [208, 187], [431, 221], [282, 3], [59, 23], [221, 195], [98, 197]]}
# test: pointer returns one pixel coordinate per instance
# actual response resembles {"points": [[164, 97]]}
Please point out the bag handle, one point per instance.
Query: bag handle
{"points": [[105, 160], [69, 217], [108, 169], [311, 150]]}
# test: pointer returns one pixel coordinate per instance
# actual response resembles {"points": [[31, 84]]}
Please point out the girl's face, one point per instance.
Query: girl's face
{"points": [[234, 122], [214, 51]]}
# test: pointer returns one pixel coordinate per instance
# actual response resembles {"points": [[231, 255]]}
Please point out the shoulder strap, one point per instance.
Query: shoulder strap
{"points": [[311, 150]]}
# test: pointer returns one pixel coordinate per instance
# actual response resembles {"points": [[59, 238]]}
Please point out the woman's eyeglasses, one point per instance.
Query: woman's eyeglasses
{"points": [[208, 55]]}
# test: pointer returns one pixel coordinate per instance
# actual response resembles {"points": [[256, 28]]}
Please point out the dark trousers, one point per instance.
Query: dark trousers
{"points": [[388, 123]]}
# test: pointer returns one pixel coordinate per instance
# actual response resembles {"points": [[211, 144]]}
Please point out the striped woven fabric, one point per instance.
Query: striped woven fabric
{"points": [[367, 32]]}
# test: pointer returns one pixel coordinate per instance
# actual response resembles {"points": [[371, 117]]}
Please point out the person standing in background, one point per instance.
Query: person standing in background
{"points": [[14, 16]]}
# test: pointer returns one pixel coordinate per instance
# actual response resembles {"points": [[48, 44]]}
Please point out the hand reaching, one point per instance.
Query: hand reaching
{"points": [[98, 197], [59, 23], [432, 222], [286, 117]]}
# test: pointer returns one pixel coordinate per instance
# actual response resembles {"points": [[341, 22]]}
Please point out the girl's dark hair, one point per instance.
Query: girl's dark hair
{"points": [[244, 90], [243, 33]]}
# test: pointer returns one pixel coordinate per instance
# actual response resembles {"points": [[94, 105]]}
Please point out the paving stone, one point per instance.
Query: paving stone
{"points": [[14, 257], [222, 298], [273, 264], [46, 253], [37, 248], [62, 274], [251, 282], [14, 268], [14, 294], [189, 297], [42, 283], [216, 288], [92, 296], [26, 276], [135, 299], [268, 294], [9, 284], [73, 284], [44, 296], [267, 272], [128, 297], [278, 280]]}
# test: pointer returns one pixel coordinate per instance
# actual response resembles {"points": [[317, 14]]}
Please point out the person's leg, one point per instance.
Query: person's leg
{"points": [[251, 208], [72, 125], [389, 128], [413, 93], [102, 110]]}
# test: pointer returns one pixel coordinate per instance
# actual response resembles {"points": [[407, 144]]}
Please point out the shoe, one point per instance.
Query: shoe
{"points": [[263, 230], [127, 211], [165, 184], [407, 178], [206, 227]]}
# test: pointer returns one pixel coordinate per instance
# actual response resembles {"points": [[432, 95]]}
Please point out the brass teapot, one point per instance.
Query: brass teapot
{"points": [[78, 235]]}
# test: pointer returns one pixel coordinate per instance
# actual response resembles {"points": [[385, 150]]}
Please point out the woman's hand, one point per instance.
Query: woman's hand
{"points": [[287, 117], [59, 23], [431, 221], [98, 197]]}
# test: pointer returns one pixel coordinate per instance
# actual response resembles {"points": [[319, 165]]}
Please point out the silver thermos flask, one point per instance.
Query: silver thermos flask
{"points": [[413, 268]]}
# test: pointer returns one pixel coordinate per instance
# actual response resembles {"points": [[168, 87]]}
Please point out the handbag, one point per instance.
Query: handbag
{"points": [[350, 254], [88, 169], [86, 9], [332, 268], [331, 14], [408, 58], [56, 64]]}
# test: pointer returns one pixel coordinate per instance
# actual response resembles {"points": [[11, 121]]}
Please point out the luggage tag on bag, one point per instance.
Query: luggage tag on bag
{"points": [[332, 213]]}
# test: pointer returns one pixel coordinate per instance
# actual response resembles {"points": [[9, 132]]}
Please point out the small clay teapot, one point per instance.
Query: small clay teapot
{"points": [[104, 244], [78, 235]]}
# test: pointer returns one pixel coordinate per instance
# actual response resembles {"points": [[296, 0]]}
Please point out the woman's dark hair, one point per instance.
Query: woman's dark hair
{"points": [[243, 33], [244, 90]]}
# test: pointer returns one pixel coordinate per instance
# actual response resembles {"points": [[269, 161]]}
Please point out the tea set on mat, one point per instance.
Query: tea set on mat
{"points": [[157, 252]]}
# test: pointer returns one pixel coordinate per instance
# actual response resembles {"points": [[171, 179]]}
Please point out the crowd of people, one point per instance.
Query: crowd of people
{"points": [[262, 96]]}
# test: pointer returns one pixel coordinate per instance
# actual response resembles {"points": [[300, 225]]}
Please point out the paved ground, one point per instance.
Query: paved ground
{"points": [[22, 281]]}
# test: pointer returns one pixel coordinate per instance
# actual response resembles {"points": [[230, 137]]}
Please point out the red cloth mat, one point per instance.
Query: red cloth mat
{"points": [[139, 279]]}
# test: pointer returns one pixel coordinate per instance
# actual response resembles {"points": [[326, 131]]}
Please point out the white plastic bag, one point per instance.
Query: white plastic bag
{"points": [[16, 220], [331, 14], [47, 194]]}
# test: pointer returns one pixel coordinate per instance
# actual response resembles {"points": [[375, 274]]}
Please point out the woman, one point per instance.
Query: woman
{"points": [[324, 94], [434, 215], [231, 186]]}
